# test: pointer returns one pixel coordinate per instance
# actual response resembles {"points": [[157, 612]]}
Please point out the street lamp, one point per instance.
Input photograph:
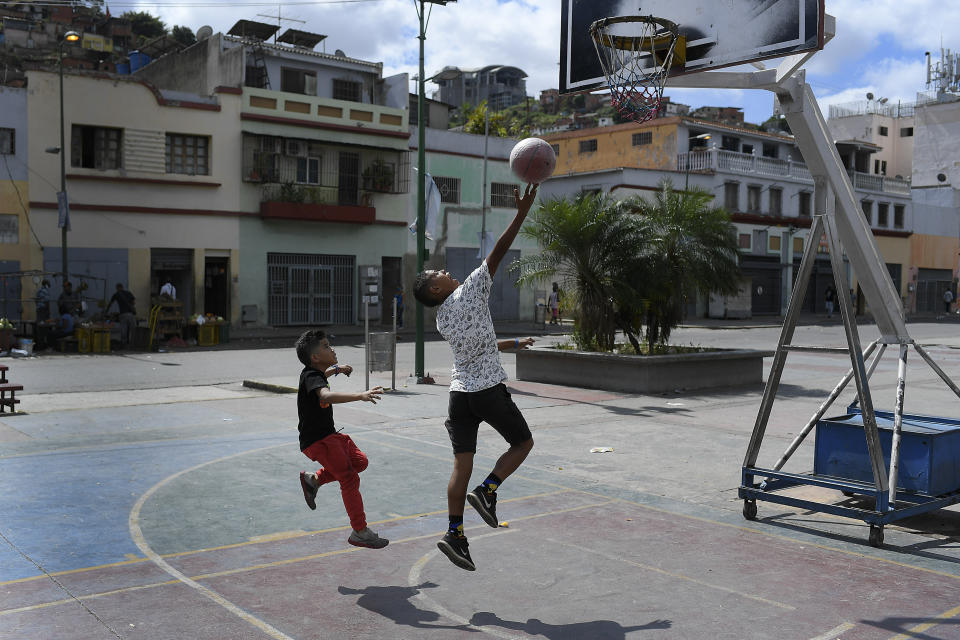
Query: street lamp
{"points": [[686, 182], [63, 206], [421, 181]]}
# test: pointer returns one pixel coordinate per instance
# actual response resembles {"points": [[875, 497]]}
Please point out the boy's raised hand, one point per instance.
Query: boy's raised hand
{"points": [[345, 369], [372, 395], [529, 195]]}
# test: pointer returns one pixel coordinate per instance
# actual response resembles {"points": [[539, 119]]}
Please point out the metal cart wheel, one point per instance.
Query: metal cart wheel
{"points": [[876, 535], [750, 509]]}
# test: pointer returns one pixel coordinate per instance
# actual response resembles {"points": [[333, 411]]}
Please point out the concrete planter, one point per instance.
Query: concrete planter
{"points": [[642, 374]]}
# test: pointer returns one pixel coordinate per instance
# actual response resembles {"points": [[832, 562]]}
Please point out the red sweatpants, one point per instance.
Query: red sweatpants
{"points": [[342, 462]]}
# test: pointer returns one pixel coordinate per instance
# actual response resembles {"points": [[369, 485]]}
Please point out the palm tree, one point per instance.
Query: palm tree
{"points": [[592, 245], [691, 246]]}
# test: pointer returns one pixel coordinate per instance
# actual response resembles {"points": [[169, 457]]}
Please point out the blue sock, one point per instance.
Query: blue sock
{"points": [[491, 483], [456, 525]]}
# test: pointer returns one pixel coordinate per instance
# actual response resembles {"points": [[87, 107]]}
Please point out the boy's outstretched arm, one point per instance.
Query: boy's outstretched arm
{"points": [[507, 237], [337, 397]]}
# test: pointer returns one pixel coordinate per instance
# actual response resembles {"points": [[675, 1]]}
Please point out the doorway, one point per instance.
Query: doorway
{"points": [[216, 287]]}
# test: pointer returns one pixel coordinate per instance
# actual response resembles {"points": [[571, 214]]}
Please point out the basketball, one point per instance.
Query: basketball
{"points": [[533, 160]]}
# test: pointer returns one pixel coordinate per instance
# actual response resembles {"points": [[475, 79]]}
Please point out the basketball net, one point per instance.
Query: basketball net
{"points": [[637, 66]]}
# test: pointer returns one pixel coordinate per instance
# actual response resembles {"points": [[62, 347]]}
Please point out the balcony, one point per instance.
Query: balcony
{"points": [[711, 160], [325, 113]]}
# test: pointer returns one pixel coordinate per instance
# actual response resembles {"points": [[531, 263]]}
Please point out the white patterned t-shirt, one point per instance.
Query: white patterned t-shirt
{"points": [[464, 321]]}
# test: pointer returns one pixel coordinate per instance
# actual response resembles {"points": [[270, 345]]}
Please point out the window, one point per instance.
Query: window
{"points": [[898, 210], [415, 112], [298, 81], [588, 146], [883, 167], [797, 246], [803, 204], [744, 241], [906, 132], [348, 90], [731, 196], [867, 207], [775, 244], [753, 199], [188, 154], [95, 147], [308, 170], [501, 194], [449, 189], [770, 150], [9, 228], [642, 138], [883, 213], [556, 149], [8, 141], [776, 201], [883, 131], [729, 143], [747, 148]]}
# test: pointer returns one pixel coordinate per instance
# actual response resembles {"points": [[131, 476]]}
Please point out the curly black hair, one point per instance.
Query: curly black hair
{"points": [[421, 289], [306, 343]]}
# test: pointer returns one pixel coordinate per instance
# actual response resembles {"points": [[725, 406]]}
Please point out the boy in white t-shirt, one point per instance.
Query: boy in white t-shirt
{"points": [[477, 392]]}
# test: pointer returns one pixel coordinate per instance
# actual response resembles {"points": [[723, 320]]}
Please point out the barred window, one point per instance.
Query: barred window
{"points": [[588, 146], [95, 147], [188, 154], [449, 189], [347, 90], [883, 212], [776, 201], [298, 81], [8, 141], [501, 194], [898, 210], [906, 132], [642, 138], [308, 170]]}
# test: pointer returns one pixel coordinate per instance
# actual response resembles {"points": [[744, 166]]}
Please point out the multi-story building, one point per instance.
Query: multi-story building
{"points": [[500, 86], [18, 249], [759, 177]]}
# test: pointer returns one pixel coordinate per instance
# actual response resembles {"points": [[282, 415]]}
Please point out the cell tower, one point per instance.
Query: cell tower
{"points": [[944, 76]]}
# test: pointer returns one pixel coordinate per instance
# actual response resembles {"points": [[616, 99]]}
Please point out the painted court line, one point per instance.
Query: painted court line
{"points": [[672, 574], [836, 632], [140, 541], [913, 632]]}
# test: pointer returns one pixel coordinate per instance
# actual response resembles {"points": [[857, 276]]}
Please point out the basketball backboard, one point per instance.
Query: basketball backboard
{"points": [[719, 33]]}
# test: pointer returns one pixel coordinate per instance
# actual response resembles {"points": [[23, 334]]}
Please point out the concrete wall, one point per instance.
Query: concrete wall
{"points": [[935, 150], [200, 68], [896, 149]]}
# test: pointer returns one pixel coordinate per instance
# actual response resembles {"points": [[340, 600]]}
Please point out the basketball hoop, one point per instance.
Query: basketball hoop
{"points": [[637, 66]]}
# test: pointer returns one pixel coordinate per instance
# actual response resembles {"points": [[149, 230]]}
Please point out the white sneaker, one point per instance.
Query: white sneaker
{"points": [[367, 538]]}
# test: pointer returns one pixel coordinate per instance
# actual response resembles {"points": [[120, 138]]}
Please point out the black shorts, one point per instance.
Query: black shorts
{"points": [[495, 407]]}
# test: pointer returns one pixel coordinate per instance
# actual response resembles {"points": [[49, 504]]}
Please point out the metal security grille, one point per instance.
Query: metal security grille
{"points": [[449, 189], [501, 194], [310, 289]]}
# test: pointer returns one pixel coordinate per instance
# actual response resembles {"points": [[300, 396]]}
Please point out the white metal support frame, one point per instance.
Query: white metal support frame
{"points": [[838, 216]]}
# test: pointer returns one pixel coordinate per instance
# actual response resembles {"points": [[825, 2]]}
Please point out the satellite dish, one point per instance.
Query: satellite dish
{"points": [[339, 52], [204, 32], [884, 100], [941, 177], [869, 96]]}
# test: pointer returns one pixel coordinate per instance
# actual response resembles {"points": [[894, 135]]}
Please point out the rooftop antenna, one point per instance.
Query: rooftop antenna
{"points": [[944, 75], [279, 18]]}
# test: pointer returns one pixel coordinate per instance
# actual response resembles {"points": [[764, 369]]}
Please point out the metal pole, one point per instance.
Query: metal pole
{"points": [[483, 196], [366, 342], [421, 200], [63, 173], [897, 427], [393, 348], [936, 368]]}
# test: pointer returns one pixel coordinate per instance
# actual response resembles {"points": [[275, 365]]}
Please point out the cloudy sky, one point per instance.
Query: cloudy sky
{"points": [[879, 46]]}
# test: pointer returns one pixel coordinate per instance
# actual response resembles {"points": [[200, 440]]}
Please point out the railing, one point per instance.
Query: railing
{"points": [[745, 163]]}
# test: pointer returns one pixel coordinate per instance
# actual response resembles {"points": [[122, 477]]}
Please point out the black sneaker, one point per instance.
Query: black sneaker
{"points": [[456, 548], [485, 504]]}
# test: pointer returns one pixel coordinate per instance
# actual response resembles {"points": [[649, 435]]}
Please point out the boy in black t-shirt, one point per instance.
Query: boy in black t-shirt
{"points": [[341, 459]]}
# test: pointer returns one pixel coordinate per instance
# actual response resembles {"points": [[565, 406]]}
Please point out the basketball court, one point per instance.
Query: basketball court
{"points": [[185, 520]]}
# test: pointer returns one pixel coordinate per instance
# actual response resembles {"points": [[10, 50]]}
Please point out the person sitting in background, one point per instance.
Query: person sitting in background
{"points": [[128, 313]]}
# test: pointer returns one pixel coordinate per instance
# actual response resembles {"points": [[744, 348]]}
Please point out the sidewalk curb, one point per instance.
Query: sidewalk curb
{"points": [[266, 386]]}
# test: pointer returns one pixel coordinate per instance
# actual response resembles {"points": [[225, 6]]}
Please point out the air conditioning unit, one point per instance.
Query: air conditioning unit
{"points": [[296, 148]]}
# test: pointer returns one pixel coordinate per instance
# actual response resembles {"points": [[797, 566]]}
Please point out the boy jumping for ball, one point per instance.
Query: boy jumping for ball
{"points": [[477, 392], [342, 460]]}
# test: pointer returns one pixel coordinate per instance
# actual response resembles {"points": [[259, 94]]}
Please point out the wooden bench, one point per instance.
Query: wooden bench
{"points": [[11, 400]]}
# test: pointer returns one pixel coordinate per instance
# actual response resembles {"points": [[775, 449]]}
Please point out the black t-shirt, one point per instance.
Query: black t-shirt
{"points": [[316, 419], [125, 301]]}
